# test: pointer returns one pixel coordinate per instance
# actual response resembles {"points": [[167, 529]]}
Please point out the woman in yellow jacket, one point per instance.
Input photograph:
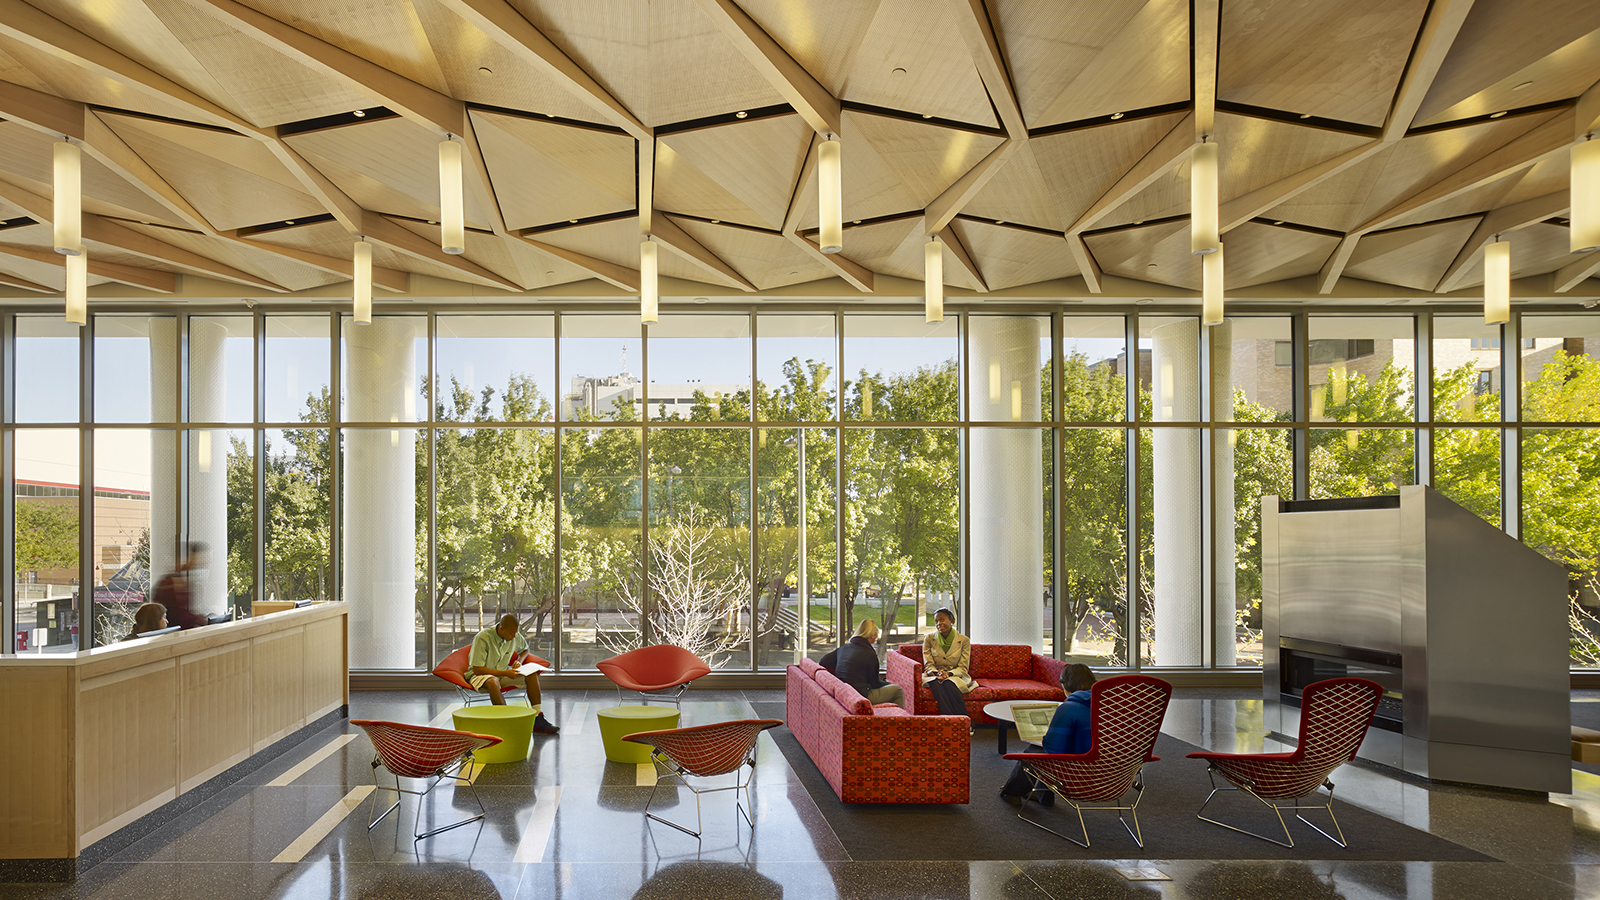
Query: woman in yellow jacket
{"points": [[946, 654]]}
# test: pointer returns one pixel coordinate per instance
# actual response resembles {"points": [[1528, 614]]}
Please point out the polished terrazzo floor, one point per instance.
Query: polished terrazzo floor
{"points": [[568, 824]]}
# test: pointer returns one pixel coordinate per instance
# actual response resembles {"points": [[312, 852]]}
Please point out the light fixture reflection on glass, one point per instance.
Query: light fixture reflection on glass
{"points": [[1497, 283], [933, 280], [452, 208], [363, 283], [202, 451], [1211, 288], [649, 298], [68, 185], [1016, 401], [1204, 237], [77, 293], [1585, 215], [830, 196]]}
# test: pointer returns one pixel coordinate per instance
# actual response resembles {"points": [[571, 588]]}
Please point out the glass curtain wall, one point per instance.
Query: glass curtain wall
{"points": [[753, 486]]}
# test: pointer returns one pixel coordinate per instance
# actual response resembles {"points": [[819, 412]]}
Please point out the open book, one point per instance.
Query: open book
{"points": [[528, 668], [1033, 720]]}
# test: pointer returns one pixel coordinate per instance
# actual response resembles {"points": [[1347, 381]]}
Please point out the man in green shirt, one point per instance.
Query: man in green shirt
{"points": [[491, 668]]}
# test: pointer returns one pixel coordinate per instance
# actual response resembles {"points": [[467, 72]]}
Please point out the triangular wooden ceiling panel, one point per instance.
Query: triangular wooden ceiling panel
{"points": [[389, 34], [1073, 60], [681, 187], [1018, 193], [758, 162], [1410, 257], [873, 244], [264, 86], [1499, 39], [545, 172], [908, 261], [1284, 54], [925, 158], [275, 269], [326, 238], [62, 78], [51, 276], [135, 31], [1554, 174], [16, 73], [617, 241], [1489, 196], [766, 260], [511, 258], [1013, 256], [823, 36], [871, 187], [388, 165], [221, 186], [1158, 252], [1257, 253], [912, 58], [1535, 250], [1564, 74], [1336, 203], [25, 160]]}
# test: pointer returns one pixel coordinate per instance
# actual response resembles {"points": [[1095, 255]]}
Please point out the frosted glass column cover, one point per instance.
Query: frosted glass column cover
{"points": [[208, 485], [380, 494], [1005, 483]]}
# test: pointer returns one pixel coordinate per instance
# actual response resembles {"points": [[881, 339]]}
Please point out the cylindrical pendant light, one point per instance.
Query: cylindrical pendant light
{"points": [[649, 298], [363, 283], [77, 293], [1211, 288], [1497, 282], [452, 208], [830, 197], [1585, 215], [68, 166], [933, 280], [1204, 237]]}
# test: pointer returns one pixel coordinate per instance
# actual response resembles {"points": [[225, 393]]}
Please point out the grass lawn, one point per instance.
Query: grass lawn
{"points": [[906, 615]]}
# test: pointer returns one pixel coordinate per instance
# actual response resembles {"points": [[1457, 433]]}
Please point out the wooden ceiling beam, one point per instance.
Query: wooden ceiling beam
{"points": [[133, 276], [667, 233], [392, 280], [977, 30], [1587, 114], [1167, 153], [853, 274], [1434, 39], [1088, 266], [645, 180], [1258, 202], [1501, 221], [23, 22], [809, 98], [618, 276], [949, 204], [1328, 278], [16, 281], [1206, 31], [506, 27], [964, 258], [1576, 272], [380, 230], [341, 206]]}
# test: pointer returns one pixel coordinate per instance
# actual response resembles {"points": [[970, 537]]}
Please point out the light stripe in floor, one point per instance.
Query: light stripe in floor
{"points": [[312, 760], [443, 720], [323, 826], [536, 835], [645, 775], [575, 717]]}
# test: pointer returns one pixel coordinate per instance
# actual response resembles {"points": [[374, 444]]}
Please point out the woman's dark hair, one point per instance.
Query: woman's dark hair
{"points": [[148, 618], [1077, 677], [946, 612]]}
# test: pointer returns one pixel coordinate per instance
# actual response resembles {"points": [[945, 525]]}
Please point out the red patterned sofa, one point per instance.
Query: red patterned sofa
{"points": [[875, 754], [1002, 671]]}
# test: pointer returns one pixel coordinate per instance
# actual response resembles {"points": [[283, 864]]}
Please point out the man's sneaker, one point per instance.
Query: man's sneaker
{"points": [[544, 726]]}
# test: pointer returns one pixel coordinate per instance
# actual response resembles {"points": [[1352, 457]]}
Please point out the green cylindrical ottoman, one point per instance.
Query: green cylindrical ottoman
{"points": [[624, 720], [513, 725]]}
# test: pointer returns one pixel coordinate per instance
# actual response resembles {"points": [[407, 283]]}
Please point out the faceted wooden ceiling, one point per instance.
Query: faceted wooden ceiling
{"points": [[1046, 141]]}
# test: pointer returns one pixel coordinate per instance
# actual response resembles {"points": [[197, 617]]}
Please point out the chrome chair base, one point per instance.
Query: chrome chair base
{"points": [[437, 779], [699, 822], [673, 695], [1134, 831], [1277, 811]]}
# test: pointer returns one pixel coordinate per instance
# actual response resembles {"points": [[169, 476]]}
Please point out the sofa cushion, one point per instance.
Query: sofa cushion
{"points": [[912, 650], [1001, 661], [854, 704], [889, 709], [991, 689], [809, 667]]}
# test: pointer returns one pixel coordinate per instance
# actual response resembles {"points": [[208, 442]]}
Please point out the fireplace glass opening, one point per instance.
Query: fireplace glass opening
{"points": [[1302, 663]]}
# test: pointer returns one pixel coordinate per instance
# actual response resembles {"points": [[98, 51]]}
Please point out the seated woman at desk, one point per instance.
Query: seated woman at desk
{"points": [[149, 617], [946, 655], [1068, 732]]}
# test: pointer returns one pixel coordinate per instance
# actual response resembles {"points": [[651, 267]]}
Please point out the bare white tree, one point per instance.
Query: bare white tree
{"points": [[695, 596]]}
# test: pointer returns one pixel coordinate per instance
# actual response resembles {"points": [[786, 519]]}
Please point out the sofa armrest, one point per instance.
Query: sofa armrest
{"points": [[906, 672], [1048, 670]]}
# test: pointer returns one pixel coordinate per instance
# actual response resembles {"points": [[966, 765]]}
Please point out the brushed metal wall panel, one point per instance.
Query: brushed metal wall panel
{"points": [[1339, 577]]}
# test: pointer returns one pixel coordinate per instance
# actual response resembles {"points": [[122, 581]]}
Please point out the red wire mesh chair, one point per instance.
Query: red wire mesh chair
{"points": [[662, 671], [704, 751], [454, 668], [417, 751], [1334, 716], [1125, 716]]}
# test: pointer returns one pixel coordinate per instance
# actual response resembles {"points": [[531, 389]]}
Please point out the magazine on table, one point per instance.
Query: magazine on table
{"points": [[1033, 720]]}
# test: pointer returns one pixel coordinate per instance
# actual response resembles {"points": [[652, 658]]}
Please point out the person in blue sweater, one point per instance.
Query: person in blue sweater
{"points": [[1068, 732]]}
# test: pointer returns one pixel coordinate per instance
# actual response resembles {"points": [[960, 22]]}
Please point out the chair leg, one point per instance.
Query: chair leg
{"points": [[650, 815], [1288, 838], [416, 829], [1133, 812], [377, 788], [1076, 808], [1340, 840]]}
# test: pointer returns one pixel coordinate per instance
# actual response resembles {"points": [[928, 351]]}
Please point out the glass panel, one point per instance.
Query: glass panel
{"points": [[383, 544], [904, 369], [298, 369], [1560, 368], [1361, 462], [46, 539], [1172, 619], [495, 368], [700, 368], [222, 509], [298, 516], [700, 587], [1047, 471], [602, 494], [594, 368], [1263, 377], [901, 531], [796, 367], [1560, 502], [1362, 368], [47, 369], [221, 369], [135, 473], [383, 368], [782, 534], [1169, 368], [496, 544], [1466, 370], [1094, 367], [124, 369], [1008, 368], [1466, 468], [1261, 465]]}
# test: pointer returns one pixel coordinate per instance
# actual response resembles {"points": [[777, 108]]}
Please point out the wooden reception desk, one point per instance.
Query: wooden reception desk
{"points": [[96, 739]]}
